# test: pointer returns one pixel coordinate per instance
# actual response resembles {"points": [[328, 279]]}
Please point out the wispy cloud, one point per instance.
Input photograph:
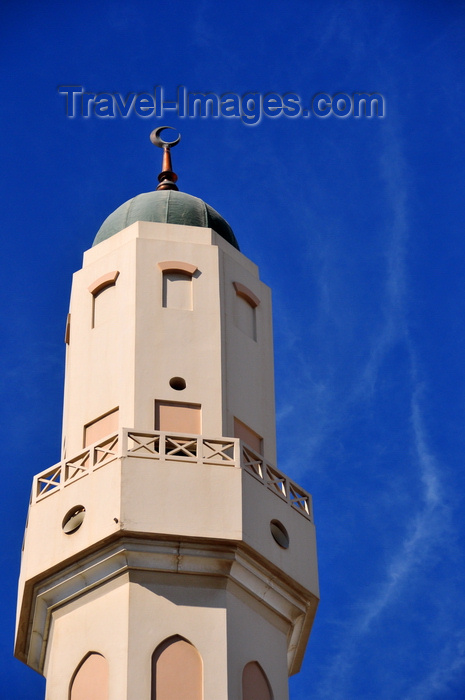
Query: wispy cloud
{"points": [[425, 531], [449, 669], [394, 328], [430, 520]]}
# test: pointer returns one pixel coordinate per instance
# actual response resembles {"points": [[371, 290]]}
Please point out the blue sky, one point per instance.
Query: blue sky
{"points": [[358, 227]]}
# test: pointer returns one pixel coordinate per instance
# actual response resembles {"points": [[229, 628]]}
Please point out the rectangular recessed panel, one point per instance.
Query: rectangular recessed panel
{"points": [[101, 427], [244, 316], [247, 435], [178, 417], [177, 290], [104, 303]]}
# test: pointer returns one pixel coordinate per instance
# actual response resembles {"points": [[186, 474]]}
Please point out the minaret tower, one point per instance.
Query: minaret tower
{"points": [[166, 557]]}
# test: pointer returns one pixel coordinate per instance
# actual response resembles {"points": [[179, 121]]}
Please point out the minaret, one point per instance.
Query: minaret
{"points": [[166, 556]]}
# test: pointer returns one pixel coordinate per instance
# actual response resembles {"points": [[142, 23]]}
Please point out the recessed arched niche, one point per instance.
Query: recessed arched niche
{"points": [[90, 680], [255, 684], [103, 292], [177, 671], [177, 284], [245, 310]]}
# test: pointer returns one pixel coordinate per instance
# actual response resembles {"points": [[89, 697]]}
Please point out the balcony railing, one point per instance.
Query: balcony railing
{"points": [[171, 447]]}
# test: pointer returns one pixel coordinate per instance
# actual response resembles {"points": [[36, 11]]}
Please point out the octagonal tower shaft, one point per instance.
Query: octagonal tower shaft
{"points": [[179, 306], [166, 539]]}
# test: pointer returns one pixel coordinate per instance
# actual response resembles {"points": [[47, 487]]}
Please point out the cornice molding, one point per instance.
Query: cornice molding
{"points": [[231, 562]]}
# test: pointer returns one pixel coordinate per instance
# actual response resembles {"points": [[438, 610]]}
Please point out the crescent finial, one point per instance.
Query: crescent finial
{"points": [[167, 178], [158, 141]]}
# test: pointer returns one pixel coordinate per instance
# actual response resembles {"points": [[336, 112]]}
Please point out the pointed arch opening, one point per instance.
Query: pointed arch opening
{"points": [[177, 671], [255, 684], [90, 679]]}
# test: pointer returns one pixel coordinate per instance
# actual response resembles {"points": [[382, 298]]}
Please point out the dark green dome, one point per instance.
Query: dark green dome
{"points": [[166, 207]]}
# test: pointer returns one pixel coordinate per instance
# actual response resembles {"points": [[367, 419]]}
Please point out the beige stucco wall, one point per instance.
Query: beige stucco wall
{"points": [[248, 363], [182, 499], [126, 620], [101, 625], [128, 360], [263, 639], [259, 507], [45, 543]]}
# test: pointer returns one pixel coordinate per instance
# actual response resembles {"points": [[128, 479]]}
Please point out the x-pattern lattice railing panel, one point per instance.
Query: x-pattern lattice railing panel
{"points": [[276, 481], [183, 448], [47, 481], [252, 462], [174, 447], [77, 466], [218, 451], [300, 500], [70, 470], [106, 451], [142, 444]]}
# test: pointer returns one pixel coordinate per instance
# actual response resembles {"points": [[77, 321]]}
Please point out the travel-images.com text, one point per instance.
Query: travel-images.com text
{"points": [[249, 107]]}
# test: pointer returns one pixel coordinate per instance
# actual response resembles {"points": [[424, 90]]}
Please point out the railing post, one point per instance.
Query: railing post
{"points": [[237, 453], [162, 445], [124, 440]]}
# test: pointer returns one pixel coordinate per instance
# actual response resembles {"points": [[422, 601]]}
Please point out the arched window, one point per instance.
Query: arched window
{"points": [[255, 685], [177, 672], [90, 680], [177, 284]]}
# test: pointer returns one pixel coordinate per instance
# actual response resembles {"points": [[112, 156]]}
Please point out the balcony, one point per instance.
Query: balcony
{"points": [[171, 447]]}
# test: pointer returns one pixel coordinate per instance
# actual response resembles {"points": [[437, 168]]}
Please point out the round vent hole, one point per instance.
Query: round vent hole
{"points": [[279, 533], [177, 383], [73, 519]]}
